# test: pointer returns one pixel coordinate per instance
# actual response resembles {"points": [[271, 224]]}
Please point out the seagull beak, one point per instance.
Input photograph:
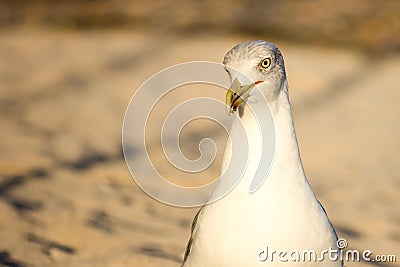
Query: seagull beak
{"points": [[237, 94]]}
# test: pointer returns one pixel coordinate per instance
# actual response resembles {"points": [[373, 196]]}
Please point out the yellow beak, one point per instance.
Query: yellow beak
{"points": [[236, 95]]}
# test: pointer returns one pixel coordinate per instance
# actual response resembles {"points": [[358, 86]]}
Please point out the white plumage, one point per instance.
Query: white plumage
{"points": [[283, 214]]}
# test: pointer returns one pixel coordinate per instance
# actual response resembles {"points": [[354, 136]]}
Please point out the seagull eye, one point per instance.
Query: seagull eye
{"points": [[265, 63]]}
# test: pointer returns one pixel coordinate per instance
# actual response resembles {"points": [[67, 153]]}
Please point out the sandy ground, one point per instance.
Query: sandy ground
{"points": [[67, 198]]}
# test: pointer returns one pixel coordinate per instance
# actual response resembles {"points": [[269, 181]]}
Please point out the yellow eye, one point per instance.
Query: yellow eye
{"points": [[265, 63]]}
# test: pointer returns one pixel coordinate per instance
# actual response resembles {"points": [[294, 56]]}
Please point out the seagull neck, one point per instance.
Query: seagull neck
{"points": [[286, 163], [287, 154]]}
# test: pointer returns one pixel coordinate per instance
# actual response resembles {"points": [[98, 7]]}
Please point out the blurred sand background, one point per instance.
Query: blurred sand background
{"points": [[69, 68]]}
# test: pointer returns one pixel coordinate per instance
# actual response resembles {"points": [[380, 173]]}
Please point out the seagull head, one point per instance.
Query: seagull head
{"points": [[255, 63]]}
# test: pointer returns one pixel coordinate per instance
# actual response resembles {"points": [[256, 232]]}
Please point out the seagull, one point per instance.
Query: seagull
{"points": [[282, 223]]}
